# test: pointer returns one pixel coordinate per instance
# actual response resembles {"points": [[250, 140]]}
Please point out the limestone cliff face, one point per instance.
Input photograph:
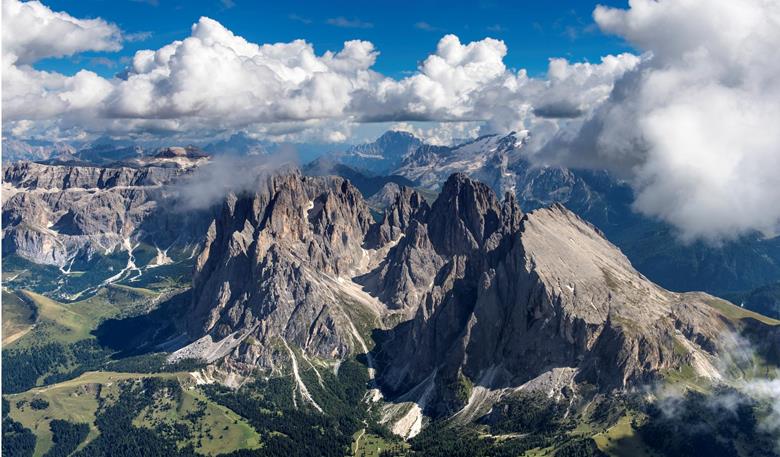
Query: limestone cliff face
{"points": [[30, 175], [403, 205], [53, 213], [511, 299], [467, 217]]}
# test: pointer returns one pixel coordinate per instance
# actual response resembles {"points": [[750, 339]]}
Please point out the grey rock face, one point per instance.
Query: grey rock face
{"points": [[407, 272], [383, 155], [30, 175], [402, 206], [512, 299], [52, 213], [277, 263], [596, 196], [488, 297], [467, 216]]}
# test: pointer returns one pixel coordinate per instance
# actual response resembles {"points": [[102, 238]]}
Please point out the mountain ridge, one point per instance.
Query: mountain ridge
{"points": [[568, 304], [730, 269]]}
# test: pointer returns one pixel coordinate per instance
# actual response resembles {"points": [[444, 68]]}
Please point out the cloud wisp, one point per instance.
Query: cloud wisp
{"points": [[744, 385], [426, 26], [229, 173], [353, 23]]}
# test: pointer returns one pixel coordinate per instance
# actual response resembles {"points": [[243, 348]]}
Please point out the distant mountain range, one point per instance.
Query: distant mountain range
{"points": [[731, 269], [15, 150], [384, 155]]}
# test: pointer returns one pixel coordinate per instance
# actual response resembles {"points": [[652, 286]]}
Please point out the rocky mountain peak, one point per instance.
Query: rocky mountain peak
{"points": [[384, 154], [398, 136], [546, 292], [58, 214], [191, 152], [465, 216], [403, 206], [479, 298], [276, 263]]}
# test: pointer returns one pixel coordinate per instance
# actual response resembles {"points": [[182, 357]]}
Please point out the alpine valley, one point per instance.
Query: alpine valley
{"points": [[393, 298]]}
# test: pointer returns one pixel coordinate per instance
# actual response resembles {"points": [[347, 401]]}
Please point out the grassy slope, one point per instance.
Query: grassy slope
{"points": [[622, 440], [734, 312], [76, 400], [369, 445], [18, 317], [66, 323], [228, 431], [71, 322], [84, 276]]}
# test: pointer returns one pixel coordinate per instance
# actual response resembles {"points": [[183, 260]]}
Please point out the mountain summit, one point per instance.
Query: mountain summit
{"points": [[383, 155], [489, 299]]}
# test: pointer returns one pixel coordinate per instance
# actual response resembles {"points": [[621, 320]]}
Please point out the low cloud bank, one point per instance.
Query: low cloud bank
{"points": [[747, 397], [693, 127]]}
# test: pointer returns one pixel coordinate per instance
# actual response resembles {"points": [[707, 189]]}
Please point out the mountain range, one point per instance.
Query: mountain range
{"points": [[730, 269], [440, 301]]}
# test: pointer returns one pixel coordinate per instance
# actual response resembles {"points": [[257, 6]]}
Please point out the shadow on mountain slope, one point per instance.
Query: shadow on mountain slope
{"points": [[148, 332]]}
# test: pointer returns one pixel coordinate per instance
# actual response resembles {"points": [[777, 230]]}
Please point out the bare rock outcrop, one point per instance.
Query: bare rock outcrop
{"points": [[402, 206], [513, 298], [54, 213], [276, 264], [489, 299]]}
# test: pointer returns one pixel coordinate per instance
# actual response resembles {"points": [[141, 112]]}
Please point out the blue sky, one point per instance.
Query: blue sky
{"points": [[404, 32]]}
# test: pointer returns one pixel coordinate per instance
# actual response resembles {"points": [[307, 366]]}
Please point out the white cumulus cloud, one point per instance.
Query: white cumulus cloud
{"points": [[215, 81], [694, 126], [470, 82], [691, 124], [440, 133], [32, 31], [214, 74]]}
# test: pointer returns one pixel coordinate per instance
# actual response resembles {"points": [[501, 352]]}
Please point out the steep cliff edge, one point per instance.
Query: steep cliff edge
{"points": [[543, 301], [53, 214], [276, 266]]}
